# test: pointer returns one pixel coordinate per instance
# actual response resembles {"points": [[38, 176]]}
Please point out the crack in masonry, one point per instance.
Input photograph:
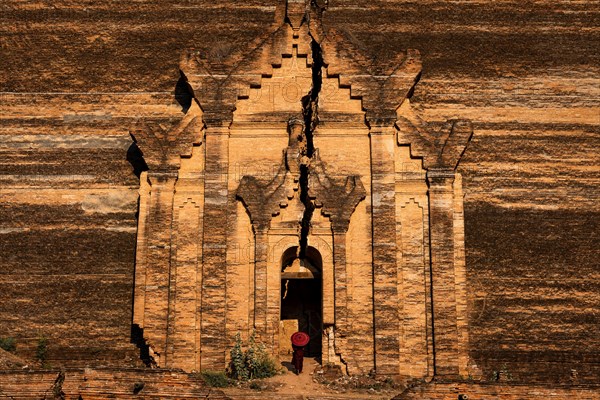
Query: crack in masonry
{"points": [[137, 338], [343, 362], [310, 104], [57, 390]]}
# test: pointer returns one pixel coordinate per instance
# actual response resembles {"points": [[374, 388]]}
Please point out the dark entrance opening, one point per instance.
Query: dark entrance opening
{"points": [[302, 295]]}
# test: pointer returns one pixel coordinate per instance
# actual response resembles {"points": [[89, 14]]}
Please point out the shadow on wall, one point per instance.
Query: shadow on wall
{"points": [[136, 159], [183, 93]]}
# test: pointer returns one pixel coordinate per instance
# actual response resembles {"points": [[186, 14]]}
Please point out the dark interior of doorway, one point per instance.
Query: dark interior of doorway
{"points": [[303, 302]]}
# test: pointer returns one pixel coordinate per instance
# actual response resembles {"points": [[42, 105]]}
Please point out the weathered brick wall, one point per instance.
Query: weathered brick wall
{"points": [[67, 239], [526, 74]]}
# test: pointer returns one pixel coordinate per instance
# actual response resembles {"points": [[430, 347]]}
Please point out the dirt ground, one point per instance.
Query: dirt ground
{"points": [[288, 385]]}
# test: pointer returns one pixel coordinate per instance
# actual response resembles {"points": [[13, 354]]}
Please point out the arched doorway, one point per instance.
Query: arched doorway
{"points": [[302, 298]]}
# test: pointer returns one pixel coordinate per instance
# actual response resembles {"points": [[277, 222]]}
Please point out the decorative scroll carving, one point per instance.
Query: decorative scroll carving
{"points": [[440, 150], [262, 198], [162, 147], [337, 197]]}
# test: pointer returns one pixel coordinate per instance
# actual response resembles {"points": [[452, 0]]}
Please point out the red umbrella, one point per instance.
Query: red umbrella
{"points": [[300, 339]]}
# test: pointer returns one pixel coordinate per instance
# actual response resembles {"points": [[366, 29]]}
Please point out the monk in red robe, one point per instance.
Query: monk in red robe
{"points": [[298, 358]]}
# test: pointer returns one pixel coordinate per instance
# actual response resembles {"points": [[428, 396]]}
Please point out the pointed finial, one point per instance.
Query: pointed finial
{"points": [[296, 12]]}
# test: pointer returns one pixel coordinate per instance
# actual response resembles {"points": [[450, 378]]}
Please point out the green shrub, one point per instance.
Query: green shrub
{"points": [[254, 363], [41, 352], [237, 365], [8, 344], [251, 357], [215, 379], [260, 364]]}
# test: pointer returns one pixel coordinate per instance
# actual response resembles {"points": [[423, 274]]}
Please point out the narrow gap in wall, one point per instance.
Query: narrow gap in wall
{"points": [[137, 338]]}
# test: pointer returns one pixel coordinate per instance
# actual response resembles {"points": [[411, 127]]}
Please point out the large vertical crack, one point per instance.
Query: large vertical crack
{"points": [[310, 104]]}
